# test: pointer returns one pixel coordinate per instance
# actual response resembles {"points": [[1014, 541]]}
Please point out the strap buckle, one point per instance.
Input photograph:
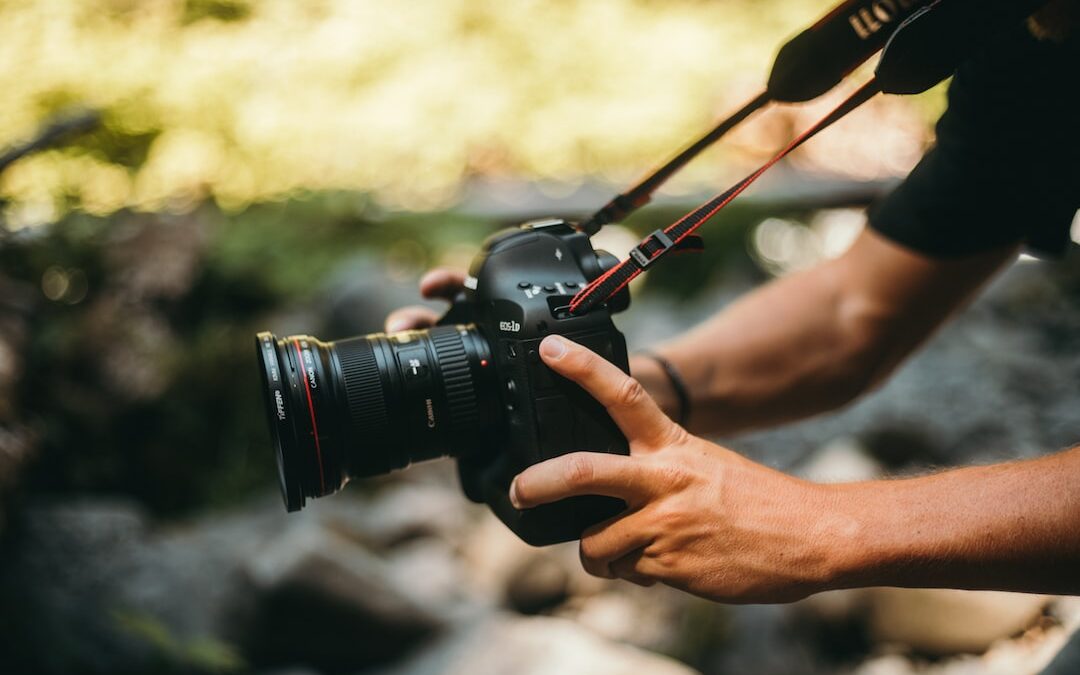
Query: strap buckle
{"points": [[643, 259]]}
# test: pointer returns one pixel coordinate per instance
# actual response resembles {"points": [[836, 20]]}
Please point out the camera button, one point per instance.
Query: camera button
{"points": [[524, 284], [511, 350], [570, 284], [549, 289]]}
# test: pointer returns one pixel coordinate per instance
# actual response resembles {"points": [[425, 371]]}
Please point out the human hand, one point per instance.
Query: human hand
{"points": [[443, 283], [700, 518]]}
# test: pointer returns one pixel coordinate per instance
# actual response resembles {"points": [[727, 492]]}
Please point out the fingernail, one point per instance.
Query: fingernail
{"points": [[513, 494], [396, 325], [553, 347]]}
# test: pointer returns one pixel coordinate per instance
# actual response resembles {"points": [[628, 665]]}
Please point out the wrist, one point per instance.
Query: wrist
{"points": [[847, 535], [880, 535]]}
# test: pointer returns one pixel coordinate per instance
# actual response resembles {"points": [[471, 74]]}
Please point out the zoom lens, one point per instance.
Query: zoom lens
{"points": [[368, 405]]}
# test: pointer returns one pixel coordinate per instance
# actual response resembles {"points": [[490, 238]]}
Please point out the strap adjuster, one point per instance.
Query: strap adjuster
{"points": [[643, 259]]}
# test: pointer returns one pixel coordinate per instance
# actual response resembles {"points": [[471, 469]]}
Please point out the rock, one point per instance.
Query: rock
{"points": [[532, 646], [540, 583], [941, 621], [59, 583], [431, 570], [397, 513], [94, 586], [1044, 649], [324, 601], [507, 571], [658, 619], [843, 460], [1001, 380]]}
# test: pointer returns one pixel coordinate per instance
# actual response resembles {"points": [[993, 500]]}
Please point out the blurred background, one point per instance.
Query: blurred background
{"points": [[177, 174]]}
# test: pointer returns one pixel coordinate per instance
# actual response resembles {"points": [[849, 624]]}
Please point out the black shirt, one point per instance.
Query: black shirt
{"points": [[1004, 168]]}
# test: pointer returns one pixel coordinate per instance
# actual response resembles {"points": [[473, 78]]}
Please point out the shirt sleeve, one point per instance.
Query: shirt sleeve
{"points": [[1004, 168]]}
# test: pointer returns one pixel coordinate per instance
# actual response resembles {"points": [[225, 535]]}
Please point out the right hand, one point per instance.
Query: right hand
{"points": [[440, 283]]}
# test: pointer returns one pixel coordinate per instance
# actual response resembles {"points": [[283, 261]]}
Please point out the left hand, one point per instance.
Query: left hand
{"points": [[700, 518]]}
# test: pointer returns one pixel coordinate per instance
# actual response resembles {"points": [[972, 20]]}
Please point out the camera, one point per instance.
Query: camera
{"points": [[473, 387]]}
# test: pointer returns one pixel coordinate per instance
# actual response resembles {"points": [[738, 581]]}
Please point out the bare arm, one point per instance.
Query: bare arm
{"points": [[814, 340], [1012, 526]]}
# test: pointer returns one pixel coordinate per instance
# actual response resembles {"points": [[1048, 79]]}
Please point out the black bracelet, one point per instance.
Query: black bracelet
{"points": [[677, 383]]}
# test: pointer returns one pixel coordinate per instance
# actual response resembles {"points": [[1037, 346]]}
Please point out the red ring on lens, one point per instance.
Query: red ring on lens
{"points": [[311, 410]]}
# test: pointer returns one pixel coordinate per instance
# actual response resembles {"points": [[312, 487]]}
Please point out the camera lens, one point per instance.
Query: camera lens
{"points": [[367, 405]]}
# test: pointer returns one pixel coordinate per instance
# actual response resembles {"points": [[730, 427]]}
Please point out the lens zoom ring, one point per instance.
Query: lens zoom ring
{"points": [[457, 380], [363, 386]]}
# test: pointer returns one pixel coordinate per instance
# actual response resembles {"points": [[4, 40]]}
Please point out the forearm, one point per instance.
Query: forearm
{"points": [[814, 340], [1010, 526], [782, 352]]}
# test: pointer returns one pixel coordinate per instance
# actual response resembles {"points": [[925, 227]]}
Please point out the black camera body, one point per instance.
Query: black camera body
{"points": [[517, 293], [473, 387]]}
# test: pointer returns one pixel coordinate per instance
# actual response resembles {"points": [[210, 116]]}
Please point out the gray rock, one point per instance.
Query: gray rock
{"points": [[539, 583], [94, 586], [1001, 381], [945, 621], [397, 513], [323, 601], [531, 646], [843, 460]]}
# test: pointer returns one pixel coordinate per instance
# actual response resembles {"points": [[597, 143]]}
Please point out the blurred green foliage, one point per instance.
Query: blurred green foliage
{"points": [[244, 102]]}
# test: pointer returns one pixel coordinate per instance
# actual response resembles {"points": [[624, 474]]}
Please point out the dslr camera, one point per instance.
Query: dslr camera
{"points": [[473, 387]]}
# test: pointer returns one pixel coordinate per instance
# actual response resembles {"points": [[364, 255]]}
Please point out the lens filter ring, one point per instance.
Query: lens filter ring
{"points": [[280, 415]]}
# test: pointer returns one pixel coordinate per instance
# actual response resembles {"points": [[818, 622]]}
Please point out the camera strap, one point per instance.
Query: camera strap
{"points": [[807, 66], [657, 244], [925, 49]]}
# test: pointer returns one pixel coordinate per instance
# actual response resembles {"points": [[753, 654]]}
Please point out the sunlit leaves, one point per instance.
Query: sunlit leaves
{"points": [[248, 101]]}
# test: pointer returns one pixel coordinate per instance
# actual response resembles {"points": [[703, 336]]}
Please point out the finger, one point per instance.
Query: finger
{"points": [[581, 473], [408, 318], [442, 283], [634, 567], [632, 409], [610, 540], [639, 579]]}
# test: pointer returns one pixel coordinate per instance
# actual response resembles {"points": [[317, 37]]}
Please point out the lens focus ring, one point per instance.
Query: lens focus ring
{"points": [[457, 380]]}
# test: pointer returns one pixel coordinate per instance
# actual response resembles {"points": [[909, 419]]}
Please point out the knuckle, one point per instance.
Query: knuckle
{"points": [[523, 489], [590, 562], [588, 549], [670, 476], [579, 469], [630, 393], [664, 559]]}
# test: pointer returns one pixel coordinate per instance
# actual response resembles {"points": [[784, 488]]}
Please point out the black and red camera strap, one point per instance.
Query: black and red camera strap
{"points": [[678, 235], [807, 66], [925, 49]]}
